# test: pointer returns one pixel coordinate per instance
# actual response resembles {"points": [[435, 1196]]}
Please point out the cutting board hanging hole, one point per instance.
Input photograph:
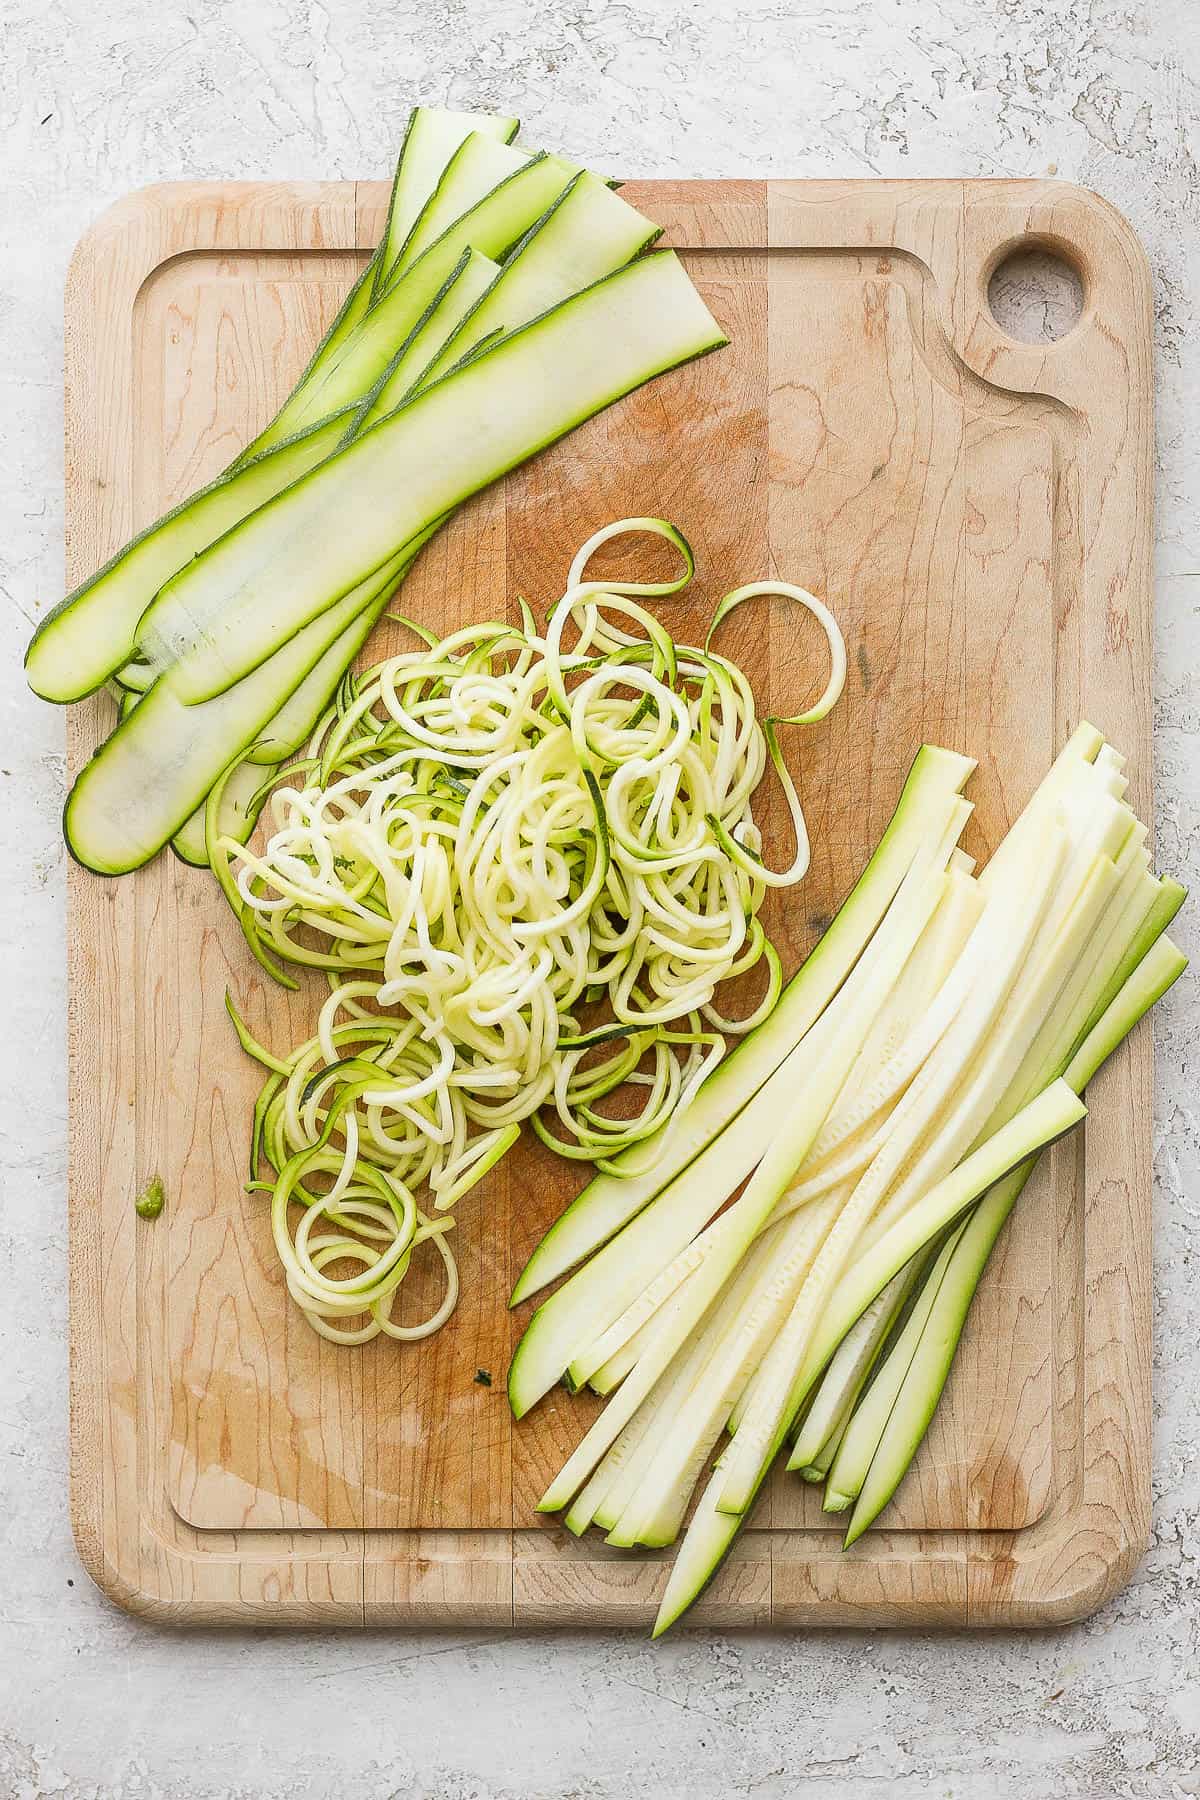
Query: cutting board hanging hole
{"points": [[1036, 295]]}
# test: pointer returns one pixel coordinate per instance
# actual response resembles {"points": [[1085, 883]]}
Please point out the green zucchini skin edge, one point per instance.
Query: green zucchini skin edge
{"points": [[367, 614], [195, 693], [347, 318], [355, 305], [547, 1262], [511, 257], [1144, 988], [349, 315], [382, 270], [81, 592]]}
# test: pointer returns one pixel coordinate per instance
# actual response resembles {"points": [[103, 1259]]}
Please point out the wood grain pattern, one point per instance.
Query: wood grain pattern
{"points": [[977, 512]]}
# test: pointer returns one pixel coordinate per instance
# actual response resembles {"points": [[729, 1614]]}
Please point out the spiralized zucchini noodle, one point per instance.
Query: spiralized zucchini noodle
{"points": [[525, 870]]}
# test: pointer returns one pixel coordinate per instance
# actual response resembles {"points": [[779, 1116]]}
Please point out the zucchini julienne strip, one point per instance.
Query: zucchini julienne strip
{"points": [[918, 1114], [662, 1234], [947, 1097], [229, 609], [865, 1427], [1015, 975], [997, 1047], [928, 801], [655, 1513], [850, 1368], [1169, 898], [890, 1442], [924, 976], [890, 1246], [431, 138], [596, 1294], [708, 1537], [606, 1496]]}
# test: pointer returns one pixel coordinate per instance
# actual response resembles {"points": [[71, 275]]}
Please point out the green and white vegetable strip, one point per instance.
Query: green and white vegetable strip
{"points": [[889, 1435], [433, 136], [1012, 989], [92, 631], [850, 1369], [350, 526], [462, 202], [929, 807], [509, 855], [860, 1439], [563, 1330]]}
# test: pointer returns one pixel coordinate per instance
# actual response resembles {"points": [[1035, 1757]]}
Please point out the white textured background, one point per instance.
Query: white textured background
{"points": [[98, 96]]}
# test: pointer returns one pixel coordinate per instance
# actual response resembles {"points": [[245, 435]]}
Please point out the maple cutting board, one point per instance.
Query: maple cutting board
{"points": [[977, 512]]}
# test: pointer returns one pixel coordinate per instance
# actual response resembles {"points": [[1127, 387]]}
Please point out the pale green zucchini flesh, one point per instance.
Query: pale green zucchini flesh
{"points": [[698, 1558], [293, 724], [433, 135], [347, 374], [354, 369], [1055, 1111], [352, 310], [850, 1368], [712, 1529], [479, 165], [754, 1140], [853, 1461], [473, 275], [231, 607], [899, 1437], [237, 818], [1160, 967], [586, 234], [1170, 897], [91, 633], [146, 781], [609, 1201]]}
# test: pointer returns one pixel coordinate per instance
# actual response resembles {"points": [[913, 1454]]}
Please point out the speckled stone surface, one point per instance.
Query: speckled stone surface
{"points": [[98, 96]]}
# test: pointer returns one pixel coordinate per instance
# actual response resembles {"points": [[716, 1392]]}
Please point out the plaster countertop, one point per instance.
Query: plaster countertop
{"points": [[99, 96]]}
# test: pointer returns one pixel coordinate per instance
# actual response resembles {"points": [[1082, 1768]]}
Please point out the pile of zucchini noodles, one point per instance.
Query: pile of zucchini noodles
{"points": [[524, 869]]}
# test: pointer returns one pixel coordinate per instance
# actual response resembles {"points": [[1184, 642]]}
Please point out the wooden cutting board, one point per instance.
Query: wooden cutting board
{"points": [[977, 512]]}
